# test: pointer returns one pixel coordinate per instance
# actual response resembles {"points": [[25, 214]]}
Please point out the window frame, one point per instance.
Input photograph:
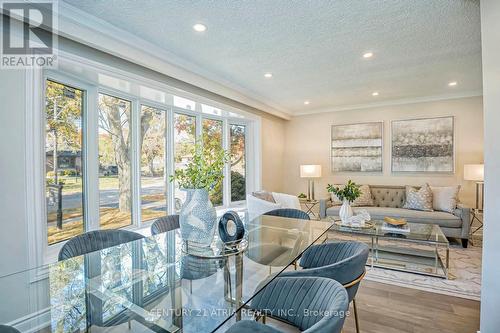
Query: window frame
{"points": [[36, 82]]}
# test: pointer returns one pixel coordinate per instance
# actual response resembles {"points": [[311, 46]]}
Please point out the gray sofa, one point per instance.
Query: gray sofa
{"points": [[388, 201]]}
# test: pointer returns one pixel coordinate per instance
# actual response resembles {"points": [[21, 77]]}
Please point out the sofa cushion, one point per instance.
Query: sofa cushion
{"points": [[388, 196], [257, 207], [419, 199], [365, 198], [445, 198], [264, 195], [378, 213]]}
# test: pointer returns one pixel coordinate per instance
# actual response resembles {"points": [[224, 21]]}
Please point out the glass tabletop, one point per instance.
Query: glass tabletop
{"points": [[418, 232], [153, 284]]}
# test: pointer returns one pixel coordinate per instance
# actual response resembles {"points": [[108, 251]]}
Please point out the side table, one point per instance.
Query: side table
{"points": [[476, 215], [309, 206]]}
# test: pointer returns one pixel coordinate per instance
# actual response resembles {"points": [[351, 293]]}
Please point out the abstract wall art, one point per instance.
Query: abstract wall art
{"points": [[423, 145], [357, 147]]}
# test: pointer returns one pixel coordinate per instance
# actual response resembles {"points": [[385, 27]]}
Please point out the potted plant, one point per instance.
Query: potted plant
{"points": [[347, 195], [204, 173]]}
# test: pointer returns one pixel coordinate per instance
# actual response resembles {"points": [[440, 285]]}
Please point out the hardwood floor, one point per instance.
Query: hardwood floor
{"points": [[384, 308]]}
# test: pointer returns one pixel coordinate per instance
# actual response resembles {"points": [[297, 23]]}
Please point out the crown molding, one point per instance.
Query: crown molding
{"points": [[394, 102], [87, 29]]}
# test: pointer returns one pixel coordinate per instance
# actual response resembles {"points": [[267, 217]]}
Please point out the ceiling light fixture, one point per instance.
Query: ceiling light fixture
{"points": [[306, 102], [268, 75], [452, 83], [199, 27], [375, 93], [368, 55]]}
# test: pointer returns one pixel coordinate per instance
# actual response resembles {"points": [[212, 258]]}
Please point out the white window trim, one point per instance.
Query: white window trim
{"points": [[40, 253]]}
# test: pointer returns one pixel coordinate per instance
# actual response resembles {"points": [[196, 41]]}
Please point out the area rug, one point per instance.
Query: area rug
{"points": [[464, 273]]}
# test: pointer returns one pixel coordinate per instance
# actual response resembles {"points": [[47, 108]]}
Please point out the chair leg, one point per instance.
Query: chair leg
{"points": [[129, 325], [356, 320], [190, 286]]}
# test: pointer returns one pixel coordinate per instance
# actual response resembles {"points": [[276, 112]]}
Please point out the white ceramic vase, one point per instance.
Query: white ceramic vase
{"points": [[345, 212]]}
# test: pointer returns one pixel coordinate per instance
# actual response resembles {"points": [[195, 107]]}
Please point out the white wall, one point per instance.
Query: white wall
{"points": [[13, 247], [308, 142], [490, 291], [273, 147]]}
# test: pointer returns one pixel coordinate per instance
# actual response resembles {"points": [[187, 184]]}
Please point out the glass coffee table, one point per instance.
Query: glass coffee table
{"points": [[423, 250]]}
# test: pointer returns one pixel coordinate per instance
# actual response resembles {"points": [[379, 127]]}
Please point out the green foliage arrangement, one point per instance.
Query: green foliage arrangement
{"points": [[350, 192], [204, 171], [302, 196]]}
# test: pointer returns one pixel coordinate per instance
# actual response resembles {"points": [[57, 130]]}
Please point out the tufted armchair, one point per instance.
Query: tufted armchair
{"points": [[389, 201]]}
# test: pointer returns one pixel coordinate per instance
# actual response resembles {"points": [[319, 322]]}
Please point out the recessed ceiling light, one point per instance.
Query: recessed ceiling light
{"points": [[368, 55], [306, 102], [375, 93], [268, 75], [199, 27], [452, 83]]}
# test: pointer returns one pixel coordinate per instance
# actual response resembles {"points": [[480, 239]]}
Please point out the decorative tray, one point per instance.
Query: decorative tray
{"points": [[368, 225]]}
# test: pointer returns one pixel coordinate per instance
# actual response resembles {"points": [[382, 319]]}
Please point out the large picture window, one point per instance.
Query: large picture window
{"points": [[110, 150], [63, 161]]}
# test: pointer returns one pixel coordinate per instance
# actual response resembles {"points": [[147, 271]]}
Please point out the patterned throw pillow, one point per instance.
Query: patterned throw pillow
{"points": [[365, 199], [419, 199]]}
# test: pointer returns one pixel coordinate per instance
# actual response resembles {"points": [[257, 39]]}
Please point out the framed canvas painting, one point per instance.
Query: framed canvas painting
{"points": [[423, 145], [357, 147]]}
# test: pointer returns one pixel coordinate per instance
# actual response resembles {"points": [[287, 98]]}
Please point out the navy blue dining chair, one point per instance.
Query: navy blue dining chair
{"points": [[95, 241], [291, 213], [164, 224], [340, 261], [8, 329], [313, 305]]}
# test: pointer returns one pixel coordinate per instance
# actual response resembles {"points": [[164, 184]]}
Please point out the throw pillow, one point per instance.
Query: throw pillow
{"points": [[365, 199], [445, 198], [257, 207], [264, 195], [419, 199], [334, 198]]}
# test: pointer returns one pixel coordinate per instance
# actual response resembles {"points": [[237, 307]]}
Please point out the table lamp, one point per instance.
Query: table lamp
{"points": [[310, 171], [475, 172]]}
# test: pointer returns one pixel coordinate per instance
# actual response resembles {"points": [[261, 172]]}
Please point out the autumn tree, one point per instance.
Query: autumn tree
{"points": [[63, 121], [153, 138], [114, 119]]}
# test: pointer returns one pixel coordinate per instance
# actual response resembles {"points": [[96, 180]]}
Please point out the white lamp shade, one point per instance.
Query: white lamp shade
{"points": [[310, 171], [474, 172]]}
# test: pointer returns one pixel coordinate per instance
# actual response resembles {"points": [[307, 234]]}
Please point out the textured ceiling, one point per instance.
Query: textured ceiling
{"points": [[314, 48]]}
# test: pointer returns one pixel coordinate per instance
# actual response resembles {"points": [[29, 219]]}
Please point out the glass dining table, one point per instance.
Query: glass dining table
{"points": [[156, 284]]}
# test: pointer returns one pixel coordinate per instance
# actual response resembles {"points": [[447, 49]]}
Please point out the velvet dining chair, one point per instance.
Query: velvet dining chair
{"points": [[313, 305], [340, 261]]}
